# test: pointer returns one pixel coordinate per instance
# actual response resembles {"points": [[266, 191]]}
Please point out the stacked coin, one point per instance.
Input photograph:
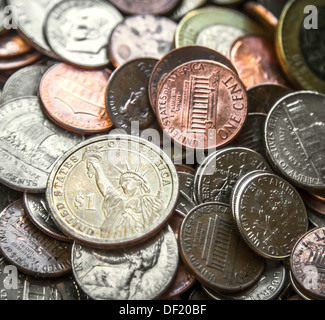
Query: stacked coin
{"points": [[161, 150]]}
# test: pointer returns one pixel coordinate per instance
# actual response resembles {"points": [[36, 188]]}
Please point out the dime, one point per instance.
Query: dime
{"points": [[211, 248], [269, 214], [11, 45], [23, 83], [127, 102], [112, 191], [37, 211], [220, 173], [154, 7], [186, 181], [30, 250], [139, 273], [75, 98], [175, 58], [214, 27], [294, 132], [255, 59], [201, 105], [141, 36], [29, 145], [300, 50], [307, 263], [184, 204], [78, 31]]}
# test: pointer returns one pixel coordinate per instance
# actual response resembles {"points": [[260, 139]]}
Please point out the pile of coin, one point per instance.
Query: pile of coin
{"points": [[159, 150]]}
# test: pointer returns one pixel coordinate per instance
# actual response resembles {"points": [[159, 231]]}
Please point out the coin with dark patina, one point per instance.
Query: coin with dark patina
{"points": [[127, 99], [294, 138], [255, 59], [75, 98], [11, 44], [313, 202], [29, 249], [201, 105], [141, 36], [178, 56], [269, 213], [307, 263], [142, 272], [213, 251]]}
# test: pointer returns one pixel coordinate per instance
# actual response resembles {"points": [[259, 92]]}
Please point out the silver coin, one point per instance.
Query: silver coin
{"points": [[222, 170], [186, 183], [139, 273], [78, 31], [184, 203], [2, 15], [23, 83], [317, 220], [29, 145], [294, 138], [30, 16]]}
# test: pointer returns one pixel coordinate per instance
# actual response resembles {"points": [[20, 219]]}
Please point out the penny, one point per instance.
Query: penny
{"points": [[214, 27], [293, 137], [37, 211], [300, 292], [112, 191], [262, 97], [142, 272], [212, 250], [184, 7], [255, 59], [269, 214], [276, 7], [127, 102], [300, 50], [313, 202], [222, 170], [154, 7], [175, 58], [141, 36], [19, 61], [78, 31], [29, 145], [30, 18], [30, 250], [201, 105], [11, 45], [268, 287], [307, 263], [23, 83], [74, 98]]}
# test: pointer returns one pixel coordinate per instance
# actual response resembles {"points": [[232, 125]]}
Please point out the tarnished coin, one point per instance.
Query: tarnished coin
{"points": [[313, 202], [30, 250], [175, 58], [214, 27], [142, 272], [201, 105], [78, 31], [29, 145], [301, 49], [112, 191], [141, 36], [30, 17], [307, 263], [11, 45], [36, 209], [154, 7], [23, 83], [269, 214], [256, 61], [127, 99], [213, 251], [220, 173], [8, 196], [294, 132], [75, 98]]}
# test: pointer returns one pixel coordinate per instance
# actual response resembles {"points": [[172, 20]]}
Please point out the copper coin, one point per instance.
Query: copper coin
{"points": [[30, 250], [155, 7], [313, 202], [213, 251], [255, 59], [177, 57], [261, 97], [11, 44], [307, 263], [75, 98], [202, 105], [19, 61], [141, 36]]}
